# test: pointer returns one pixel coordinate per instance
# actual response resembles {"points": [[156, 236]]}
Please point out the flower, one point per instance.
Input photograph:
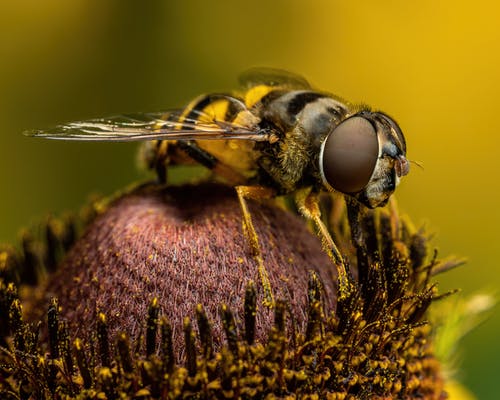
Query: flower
{"points": [[160, 298]]}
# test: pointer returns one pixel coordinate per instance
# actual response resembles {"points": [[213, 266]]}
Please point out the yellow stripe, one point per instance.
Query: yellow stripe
{"points": [[192, 104], [255, 94], [215, 110]]}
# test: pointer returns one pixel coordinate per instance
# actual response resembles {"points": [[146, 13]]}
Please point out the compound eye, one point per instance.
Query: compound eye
{"points": [[349, 155]]}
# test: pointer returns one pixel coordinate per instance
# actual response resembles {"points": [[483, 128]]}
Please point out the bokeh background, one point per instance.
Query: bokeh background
{"points": [[434, 65]]}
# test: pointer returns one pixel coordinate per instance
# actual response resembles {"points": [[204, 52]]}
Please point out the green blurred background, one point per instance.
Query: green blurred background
{"points": [[433, 65]]}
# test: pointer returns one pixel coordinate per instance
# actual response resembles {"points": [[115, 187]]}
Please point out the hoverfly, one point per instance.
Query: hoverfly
{"points": [[278, 136]]}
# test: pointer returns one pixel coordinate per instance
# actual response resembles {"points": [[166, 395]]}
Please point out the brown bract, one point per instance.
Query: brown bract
{"points": [[185, 246]]}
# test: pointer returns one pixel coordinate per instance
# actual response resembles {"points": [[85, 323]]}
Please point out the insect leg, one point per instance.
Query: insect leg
{"points": [[255, 192], [354, 215], [308, 205], [154, 156], [191, 148], [160, 162]]}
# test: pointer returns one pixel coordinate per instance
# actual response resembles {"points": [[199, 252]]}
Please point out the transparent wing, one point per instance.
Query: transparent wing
{"points": [[151, 126], [272, 77]]}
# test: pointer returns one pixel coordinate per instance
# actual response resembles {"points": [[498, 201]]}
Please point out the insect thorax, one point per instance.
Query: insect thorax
{"points": [[302, 119]]}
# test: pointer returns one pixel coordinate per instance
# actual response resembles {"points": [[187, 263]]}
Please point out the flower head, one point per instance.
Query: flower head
{"points": [[157, 299]]}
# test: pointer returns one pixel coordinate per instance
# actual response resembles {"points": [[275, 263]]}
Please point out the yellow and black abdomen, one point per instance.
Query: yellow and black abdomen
{"points": [[237, 155], [234, 160]]}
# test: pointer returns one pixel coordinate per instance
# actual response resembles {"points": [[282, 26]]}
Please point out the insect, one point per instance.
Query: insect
{"points": [[278, 136]]}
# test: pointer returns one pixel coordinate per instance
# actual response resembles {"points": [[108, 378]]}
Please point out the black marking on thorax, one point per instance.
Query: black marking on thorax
{"points": [[300, 100], [282, 107], [270, 97]]}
